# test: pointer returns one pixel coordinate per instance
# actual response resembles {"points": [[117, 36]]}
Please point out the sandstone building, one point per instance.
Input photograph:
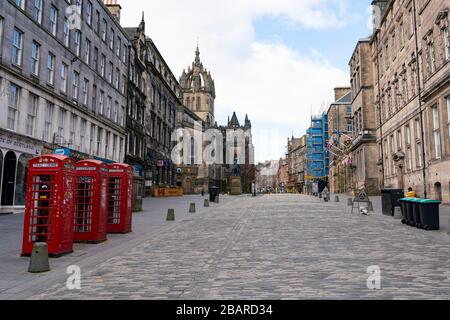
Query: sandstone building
{"points": [[411, 54]]}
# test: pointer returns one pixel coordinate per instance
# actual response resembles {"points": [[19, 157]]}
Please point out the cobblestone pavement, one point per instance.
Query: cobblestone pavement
{"points": [[273, 247]]}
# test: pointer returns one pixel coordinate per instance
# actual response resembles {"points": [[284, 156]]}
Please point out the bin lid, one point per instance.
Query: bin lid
{"points": [[411, 199], [429, 201]]}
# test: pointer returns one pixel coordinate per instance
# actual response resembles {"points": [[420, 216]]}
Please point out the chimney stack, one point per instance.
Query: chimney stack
{"points": [[114, 8]]}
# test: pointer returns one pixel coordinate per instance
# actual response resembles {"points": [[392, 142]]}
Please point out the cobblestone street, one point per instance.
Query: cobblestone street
{"points": [[273, 247]]}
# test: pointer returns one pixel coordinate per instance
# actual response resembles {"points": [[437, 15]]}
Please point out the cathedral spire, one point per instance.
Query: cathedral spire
{"points": [[197, 55]]}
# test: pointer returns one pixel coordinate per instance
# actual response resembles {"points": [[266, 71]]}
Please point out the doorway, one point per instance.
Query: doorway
{"points": [[438, 191], [9, 178]]}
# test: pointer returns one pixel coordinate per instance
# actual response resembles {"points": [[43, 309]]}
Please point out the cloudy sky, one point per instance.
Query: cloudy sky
{"points": [[275, 60]]}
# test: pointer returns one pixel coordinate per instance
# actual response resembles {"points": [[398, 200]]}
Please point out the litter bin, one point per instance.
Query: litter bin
{"points": [[416, 213], [213, 193], [390, 198], [409, 212], [429, 214], [404, 206]]}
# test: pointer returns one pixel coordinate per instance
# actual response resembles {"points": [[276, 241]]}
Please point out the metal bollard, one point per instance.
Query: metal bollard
{"points": [[171, 215], [192, 208], [39, 258], [397, 213], [206, 203], [370, 206], [350, 202], [336, 198]]}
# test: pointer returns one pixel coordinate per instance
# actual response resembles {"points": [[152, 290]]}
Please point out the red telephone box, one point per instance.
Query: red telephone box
{"points": [[91, 208], [50, 204], [120, 198]]}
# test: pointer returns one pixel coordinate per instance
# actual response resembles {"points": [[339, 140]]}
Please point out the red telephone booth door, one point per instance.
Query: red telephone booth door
{"points": [[120, 198], [49, 205], [91, 201]]}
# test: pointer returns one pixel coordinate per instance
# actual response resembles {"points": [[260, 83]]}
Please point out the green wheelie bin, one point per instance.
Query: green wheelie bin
{"points": [[429, 214]]}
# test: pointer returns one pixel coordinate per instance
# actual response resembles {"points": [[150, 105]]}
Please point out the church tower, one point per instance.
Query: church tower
{"points": [[198, 89]]}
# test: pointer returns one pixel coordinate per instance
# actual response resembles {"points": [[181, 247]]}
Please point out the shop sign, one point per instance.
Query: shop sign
{"points": [[11, 142]]}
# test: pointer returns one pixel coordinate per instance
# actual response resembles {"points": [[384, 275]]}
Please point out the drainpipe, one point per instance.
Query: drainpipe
{"points": [[420, 103]]}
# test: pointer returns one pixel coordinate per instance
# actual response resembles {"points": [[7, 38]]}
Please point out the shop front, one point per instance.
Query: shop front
{"points": [[15, 152]]}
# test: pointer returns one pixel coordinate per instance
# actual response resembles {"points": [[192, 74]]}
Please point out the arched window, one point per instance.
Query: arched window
{"points": [[9, 176], [199, 102], [438, 191], [192, 151], [188, 100], [21, 178]]}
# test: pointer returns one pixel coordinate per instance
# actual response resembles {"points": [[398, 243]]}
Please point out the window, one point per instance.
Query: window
{"points": [[116, 112], [119, 46], [418, 143], [75, 83], [101, 103], [91, 139], [122, 116], [17, 47], [66, 33], [94, 98], [83, 124], [73, 125], [51, 69], [99, 140], [111, 72], [111, 39], [399, 140], [77, 41], [85, 92], [89, 13], [408, 147], [124, 83], [97, 25], [124, 53], [48, 120], [117, 81], [104, 27], [13, 105], [20, 4], [446, 44], [114, 147], [108, 107], [431, 57], [61, 121], [37, 11], [436, 132], [108, 135], [411, 22], [53, 20], [87, 51], [35, 56], [96, 59], [63, 76], [103, 65], [32, 113]]}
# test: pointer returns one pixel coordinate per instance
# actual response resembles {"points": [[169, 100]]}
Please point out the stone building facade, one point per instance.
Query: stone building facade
{"points": [[62, 85], [163, 103], [296, 158], [340, 126], [410, 52], [364, 147], [230, 144]]}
